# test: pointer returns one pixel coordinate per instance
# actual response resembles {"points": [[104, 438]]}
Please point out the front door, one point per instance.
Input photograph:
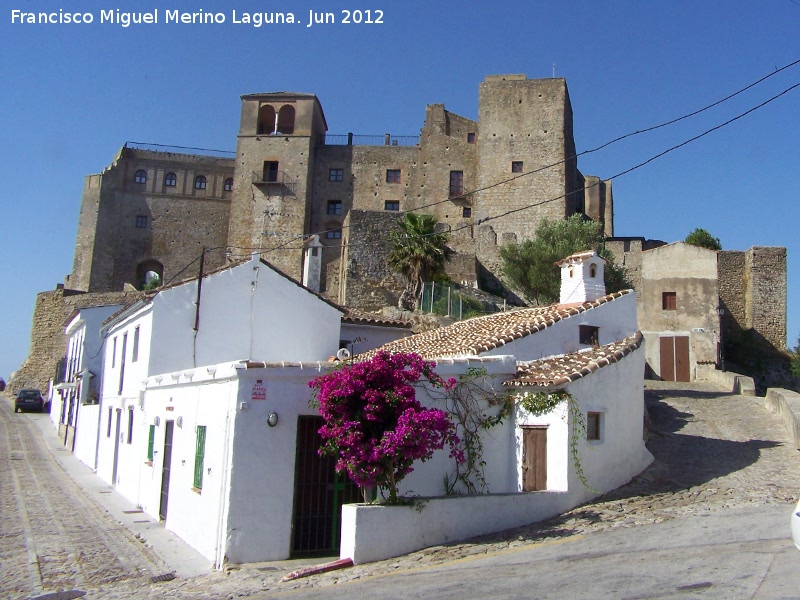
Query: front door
{"points": [[116, 446], [674, 358], [165, 468], [319, 493], [534, 458]]}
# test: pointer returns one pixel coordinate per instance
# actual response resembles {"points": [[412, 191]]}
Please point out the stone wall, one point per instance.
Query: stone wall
{"points": [[48, 342], [124, 223], [765, 272]]}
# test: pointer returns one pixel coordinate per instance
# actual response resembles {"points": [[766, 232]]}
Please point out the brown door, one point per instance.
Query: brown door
{"points": [[319, 493], [674, 358], [534, 458]]}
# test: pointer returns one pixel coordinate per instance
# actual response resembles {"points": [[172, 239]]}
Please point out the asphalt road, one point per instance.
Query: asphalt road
{"points": [[742, 553]]}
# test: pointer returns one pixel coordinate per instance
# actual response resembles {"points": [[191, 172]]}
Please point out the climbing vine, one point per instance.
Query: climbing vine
{"points": [[540, 403], [475, 406]]}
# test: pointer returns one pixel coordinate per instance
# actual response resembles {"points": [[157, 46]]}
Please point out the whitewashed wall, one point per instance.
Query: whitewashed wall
{"points": [[246, 312], [195, 515], [259, 525], [615, 320], [371, 336], [616, 389]]}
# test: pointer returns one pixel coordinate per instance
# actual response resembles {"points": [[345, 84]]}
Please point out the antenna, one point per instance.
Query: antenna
{"points": [[554, 70]]}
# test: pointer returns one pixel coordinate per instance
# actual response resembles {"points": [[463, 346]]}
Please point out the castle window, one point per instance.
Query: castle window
{"points": [[669, 301], [228, 184], [466, 212], [336, 175], [471, 138], [141, 221], [592, 270], [140, 176], [333, 234], [171, 180], [266, 120], [334, 207], [588, 335], [271, 171], [456, 183], [391, 205], [286, 119], [516, 166], [200, 182], [393, 176]]}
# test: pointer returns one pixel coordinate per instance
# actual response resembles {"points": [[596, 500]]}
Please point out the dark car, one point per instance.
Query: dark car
{"points": [[29, 400]]}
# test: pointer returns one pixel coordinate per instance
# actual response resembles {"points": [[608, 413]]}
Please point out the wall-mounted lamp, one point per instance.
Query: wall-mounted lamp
{"points": [[157, 421], [272, 419], [720, 311], [178, 421]]}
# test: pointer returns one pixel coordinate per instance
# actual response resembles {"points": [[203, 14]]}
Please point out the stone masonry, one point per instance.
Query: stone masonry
{"points": [[48, 342]]}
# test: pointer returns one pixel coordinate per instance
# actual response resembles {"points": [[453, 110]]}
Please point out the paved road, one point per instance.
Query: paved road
{"points": [[53, 537], [717, 456]]}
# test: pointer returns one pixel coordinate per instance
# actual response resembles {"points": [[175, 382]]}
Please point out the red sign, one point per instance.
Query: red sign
{"points": [[259, 391]]}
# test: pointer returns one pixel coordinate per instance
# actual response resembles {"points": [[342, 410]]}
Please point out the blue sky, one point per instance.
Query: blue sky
{"points": [[73, 94]]}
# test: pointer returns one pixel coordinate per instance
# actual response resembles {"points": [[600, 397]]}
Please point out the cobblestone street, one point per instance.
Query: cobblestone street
{"points": [[713, 451], [53, 537]]}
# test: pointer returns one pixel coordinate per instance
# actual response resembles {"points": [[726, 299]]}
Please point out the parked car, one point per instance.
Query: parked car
{"points": [[29, 399]]}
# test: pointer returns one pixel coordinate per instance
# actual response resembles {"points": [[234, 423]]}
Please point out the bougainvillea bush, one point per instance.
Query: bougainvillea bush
{"points": [[375, 425]]}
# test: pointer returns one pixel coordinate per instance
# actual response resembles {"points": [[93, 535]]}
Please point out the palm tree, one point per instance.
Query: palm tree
{"points": [[418, 253]]}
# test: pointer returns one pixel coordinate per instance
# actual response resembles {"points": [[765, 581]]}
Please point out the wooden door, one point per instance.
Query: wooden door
{"points": [[165, 470], [674, 358], [319, 493], [534, 458]]}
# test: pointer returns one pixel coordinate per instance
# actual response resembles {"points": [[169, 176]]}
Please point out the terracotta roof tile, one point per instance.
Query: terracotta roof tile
{"points": [[481, 334], [559, 370]]}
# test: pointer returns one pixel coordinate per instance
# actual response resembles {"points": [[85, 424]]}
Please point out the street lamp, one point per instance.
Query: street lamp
{"points": [[721, 312]]}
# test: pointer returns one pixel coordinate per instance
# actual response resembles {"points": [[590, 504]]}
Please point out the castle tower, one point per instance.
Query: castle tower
{"points": [[275, 155]]}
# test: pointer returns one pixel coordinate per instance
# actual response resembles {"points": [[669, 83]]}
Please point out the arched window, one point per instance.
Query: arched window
{"points": [[229, 184], [570, 271], [266, 120], [140, 176], [286, 119], [171, 180], [592, 270], [200, 182]]}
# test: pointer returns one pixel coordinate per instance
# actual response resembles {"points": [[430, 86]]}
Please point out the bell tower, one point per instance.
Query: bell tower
{"points": [[270, 210]]}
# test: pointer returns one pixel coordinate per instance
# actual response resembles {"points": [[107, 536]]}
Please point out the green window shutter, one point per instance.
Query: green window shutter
{"points": [[150, 441], [199, 456]]}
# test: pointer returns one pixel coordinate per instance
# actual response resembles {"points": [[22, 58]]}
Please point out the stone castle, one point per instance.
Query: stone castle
{"points": [[319, 206], [290, 181]]}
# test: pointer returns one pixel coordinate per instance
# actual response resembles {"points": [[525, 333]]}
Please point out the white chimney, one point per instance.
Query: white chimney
{"points": [[582, 278], [312, 267]]}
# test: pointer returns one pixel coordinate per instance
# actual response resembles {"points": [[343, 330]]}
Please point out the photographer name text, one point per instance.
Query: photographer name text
{"points": [[200, 17]]}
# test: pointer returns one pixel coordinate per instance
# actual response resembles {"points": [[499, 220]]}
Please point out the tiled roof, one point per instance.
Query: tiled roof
{"points": [[577, 256], [481, 334], [559, 370], [354, 317]]}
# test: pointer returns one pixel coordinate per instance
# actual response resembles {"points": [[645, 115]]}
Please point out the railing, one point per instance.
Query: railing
{"points": [[369, 140], [454, 301], [179, 149], [60, 375], [281, 178]]}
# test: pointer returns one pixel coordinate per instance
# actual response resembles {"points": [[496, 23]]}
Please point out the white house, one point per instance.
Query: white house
{"points": [[232, 444], [75, 406], [247, 311]]}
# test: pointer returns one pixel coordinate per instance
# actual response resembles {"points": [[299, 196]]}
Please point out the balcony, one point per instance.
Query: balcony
{"points": [[274, 179]]}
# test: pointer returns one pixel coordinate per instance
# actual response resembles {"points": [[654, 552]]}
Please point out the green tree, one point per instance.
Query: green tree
{"points": [[795, 359], [418, 253], [530, 265], [700, 237]]}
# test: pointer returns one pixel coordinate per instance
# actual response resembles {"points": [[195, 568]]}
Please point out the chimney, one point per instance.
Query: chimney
{"points": [[581, 278]]}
